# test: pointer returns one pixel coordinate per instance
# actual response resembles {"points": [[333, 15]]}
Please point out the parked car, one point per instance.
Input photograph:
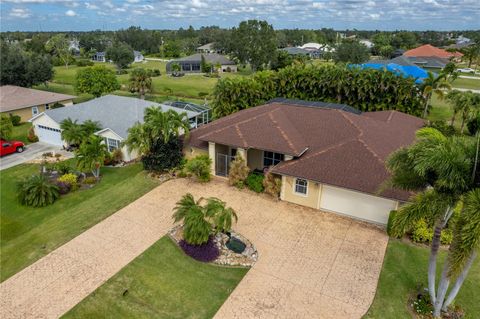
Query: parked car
{"points": [[9, 147], [466, 70]]}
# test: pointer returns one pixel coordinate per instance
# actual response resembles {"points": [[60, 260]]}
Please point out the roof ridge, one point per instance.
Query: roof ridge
{"points": [[282, 132], [390, 116], [371, 150], [240, 135]]}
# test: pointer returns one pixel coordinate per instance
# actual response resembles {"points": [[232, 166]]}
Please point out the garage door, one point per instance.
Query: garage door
{"points": [[358, 205], [49, 135]]}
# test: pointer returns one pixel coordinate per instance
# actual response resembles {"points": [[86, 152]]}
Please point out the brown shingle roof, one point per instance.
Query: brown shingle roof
{"points": [[17, 97], [329, 146]]}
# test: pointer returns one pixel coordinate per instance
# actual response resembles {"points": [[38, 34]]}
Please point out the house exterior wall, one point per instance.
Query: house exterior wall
{"points": [[311, 199], [126, 155], [26, 112], [191, 152], [255, 159]]}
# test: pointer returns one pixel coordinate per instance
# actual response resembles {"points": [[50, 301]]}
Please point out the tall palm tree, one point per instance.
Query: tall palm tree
{"points": [[166, 125], [89, 127], [91, 155], [196, 228], [440, 168], [140, 81], [222, 216], [453, 98], [433, 84], [72, 132]]}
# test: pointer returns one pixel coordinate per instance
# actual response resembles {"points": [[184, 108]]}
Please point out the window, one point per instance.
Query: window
{"points": [[112, 144], [34, 110], [47, 106], [270, 158], [301, 186]]}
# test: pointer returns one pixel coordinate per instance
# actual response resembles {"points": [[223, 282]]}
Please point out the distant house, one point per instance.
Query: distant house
{"points": [[294, 51], [397, 53], [208, 48], [27, 103], [114, 129], [429, 62], [311, 46], [401, 66], [99, 57], [367, 43], [428, 50], [191, 64], [74, 46]]}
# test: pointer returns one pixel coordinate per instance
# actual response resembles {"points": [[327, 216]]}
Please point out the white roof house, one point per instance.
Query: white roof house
{"points": [[116, 114], [311, 46]]}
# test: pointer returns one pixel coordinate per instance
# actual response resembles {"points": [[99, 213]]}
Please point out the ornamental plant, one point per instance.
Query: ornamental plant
{"points": [[200, 167], [272, 184], [70, 179], [238, 172], [37, 191]]}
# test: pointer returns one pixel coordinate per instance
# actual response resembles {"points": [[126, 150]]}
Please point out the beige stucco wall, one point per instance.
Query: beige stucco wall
{"points": [[126, 155], [310, 200], [191, 152], [26, 113], [255, 159]]}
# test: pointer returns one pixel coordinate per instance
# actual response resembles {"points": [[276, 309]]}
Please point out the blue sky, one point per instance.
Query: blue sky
{"points": [[76, 15]]}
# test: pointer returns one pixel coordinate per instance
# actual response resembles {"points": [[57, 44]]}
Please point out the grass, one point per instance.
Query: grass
{"points": [[162, 283], [404, 269], [472, 84], [27, 233], [20, 132], [441, 110]]}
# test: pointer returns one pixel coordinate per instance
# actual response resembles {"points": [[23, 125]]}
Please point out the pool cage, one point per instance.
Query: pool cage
{"points": [[204, 113]]}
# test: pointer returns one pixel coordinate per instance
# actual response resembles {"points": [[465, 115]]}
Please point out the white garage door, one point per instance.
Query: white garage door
{"points": [[358, 205], [49, 135]]}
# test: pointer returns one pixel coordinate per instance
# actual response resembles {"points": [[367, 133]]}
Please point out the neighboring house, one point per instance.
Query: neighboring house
{"points": [[311, 46], [99, 57], [367, 43], [330, 157], [26, 103], [398, 52], [116, 114], [138, 56], [208, 48], [74, 47], [294, 51], [429, 62], [191, 64], [402, 66], [428, 50]]}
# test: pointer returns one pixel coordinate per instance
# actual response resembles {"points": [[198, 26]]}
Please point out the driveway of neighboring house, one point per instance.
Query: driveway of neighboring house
{"points": [[311, 264], [31, 152]]}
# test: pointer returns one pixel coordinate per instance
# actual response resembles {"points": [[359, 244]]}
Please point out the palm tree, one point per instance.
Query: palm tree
{"points": [[452, 98], [433, 84], [196, 228], [89, 127], [72, 132], [91, 155], [140, 81], [440, 168], [221, 215]]}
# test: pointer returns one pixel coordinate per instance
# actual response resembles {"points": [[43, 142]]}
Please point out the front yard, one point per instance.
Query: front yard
{"points": [[162, 282], [27, 233], [404, 269]]}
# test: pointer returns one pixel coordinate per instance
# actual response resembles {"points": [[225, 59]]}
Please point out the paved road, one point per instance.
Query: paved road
{"points": [[31, 152], [311, 264], [469, 77], [463, 89]]}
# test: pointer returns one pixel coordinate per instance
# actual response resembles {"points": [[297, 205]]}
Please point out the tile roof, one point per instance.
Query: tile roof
{"points": [[17, 97], [430, 50], [329, 146]]}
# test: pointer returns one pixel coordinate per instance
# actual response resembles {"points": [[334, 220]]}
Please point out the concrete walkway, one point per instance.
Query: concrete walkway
{"points": [[32, 151], [311, 264]]}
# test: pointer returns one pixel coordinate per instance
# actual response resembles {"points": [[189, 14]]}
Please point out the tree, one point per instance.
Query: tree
{"points": [[444, 172], [175, 68], [471, 53], [433, 84], [386, 51], [282, 59], [465, 103], [351, 52], [253, 42], [6, 127], [205, 67], [140, 81], [222, 216], [37, 191], [58, 45], [20, 68], [91, 154], [96, 80], [74, 133], [121, 54]]}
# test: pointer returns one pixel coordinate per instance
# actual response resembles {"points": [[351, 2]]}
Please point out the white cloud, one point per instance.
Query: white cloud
{"points": [[20, 13], [70, 13], [133, 1], [91, 6]]}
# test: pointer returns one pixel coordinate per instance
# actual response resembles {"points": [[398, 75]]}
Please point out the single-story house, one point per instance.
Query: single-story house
{"points": [[369, 44], [428, 50], [99, 57], [116, 114], [191, 64], [208, 48], [401, 66], [25, 102], [295, 51], [330, 157], [429, 62]]}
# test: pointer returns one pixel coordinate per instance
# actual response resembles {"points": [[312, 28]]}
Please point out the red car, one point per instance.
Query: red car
{"points": [[8, 147]]}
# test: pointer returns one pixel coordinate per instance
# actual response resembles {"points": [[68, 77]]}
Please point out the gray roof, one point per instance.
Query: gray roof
{"points": [[318, 104], [296, 51], [117, 113], [400, 60], [429, 61], [209, 57]]}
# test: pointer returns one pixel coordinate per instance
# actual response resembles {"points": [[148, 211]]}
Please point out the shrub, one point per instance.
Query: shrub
{"points": [[391, 217], [255, 182], [238, 172], [443, 127], [84, 62], [90, 180], [37, 191], [63, 168], [69, 178], [154, 72], [422, 233], [6, 127], [446, 237], [163, 156], [199, 167], [272, 184], [15, 119], [121, 72], [31, 137], [57, 105], [206, 252], [63, 188], [117, 155]]}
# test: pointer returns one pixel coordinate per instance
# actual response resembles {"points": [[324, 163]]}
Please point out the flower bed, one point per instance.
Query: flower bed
{"points": [[225, 256]]}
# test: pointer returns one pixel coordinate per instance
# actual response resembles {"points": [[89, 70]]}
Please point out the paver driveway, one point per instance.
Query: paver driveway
{"points": [[311, 264]]}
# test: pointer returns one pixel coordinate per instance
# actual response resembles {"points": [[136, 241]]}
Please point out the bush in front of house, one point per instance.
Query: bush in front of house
{"points": [[255, 182], [31, 137], [163, 156], [272, 184], [199, 167], [206, 252], [238, 172], [37, 191], [63, 188], [16, 120], [391, 217], [423, 233], [70, 179]]}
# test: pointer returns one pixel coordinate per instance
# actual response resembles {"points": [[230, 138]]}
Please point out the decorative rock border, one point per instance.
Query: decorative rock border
{"points": [[227, 257]]}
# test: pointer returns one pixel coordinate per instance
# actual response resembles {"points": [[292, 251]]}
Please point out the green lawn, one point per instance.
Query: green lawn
{"points": [[404, 269], [20, 132], [28, 234], [471, 84], [441, 110], [162, 282]]}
